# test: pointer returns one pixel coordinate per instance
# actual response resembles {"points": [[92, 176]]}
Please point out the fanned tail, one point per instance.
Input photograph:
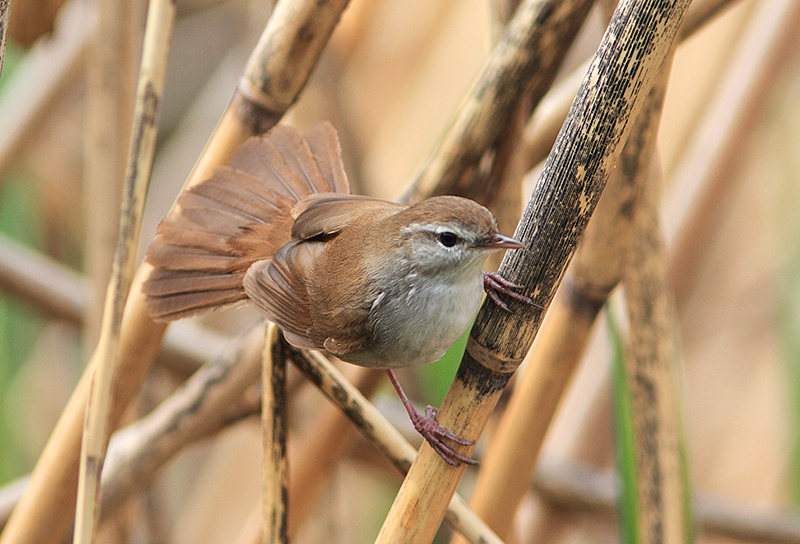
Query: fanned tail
{"points": [[239, 216]]}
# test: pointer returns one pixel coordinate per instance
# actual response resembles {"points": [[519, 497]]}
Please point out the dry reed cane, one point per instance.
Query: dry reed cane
{"points": [[750, 71], [46, 507], [556, 216], [114, 48], [663, 509], [523, 63], [275, 512], [595, 271], [137, 179]]}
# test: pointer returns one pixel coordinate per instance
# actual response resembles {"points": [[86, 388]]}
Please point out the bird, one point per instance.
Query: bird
{"points": [[375, 283]]}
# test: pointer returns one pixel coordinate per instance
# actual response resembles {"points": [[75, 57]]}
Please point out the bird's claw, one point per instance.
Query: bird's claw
{"points": [[494, 283], [434, 434]]}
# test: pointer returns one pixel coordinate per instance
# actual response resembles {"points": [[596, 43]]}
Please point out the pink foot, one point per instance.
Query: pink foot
{"points": [[433, 432], [494, 283]]}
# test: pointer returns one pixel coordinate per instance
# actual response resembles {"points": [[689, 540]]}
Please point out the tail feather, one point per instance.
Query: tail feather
{"points": [[241, 215], [180, 305], [260, 158], [324, 145], [297, 154], [192, 283], [213, 215], [188, 259], [191, 236], [241, 189]]}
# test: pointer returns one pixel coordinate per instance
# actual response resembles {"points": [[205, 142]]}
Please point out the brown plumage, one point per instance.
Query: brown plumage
{"points": [[365, 279], [376, 283], [241, 215]]}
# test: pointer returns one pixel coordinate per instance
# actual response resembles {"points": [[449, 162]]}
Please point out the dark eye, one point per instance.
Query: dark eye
{"points": [[448, 239]]}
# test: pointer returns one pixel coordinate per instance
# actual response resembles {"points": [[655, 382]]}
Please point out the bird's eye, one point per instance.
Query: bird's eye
{"points": [[447, 239]]}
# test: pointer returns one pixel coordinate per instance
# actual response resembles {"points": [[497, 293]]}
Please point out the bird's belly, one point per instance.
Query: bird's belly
{"points": [[416, 326]]}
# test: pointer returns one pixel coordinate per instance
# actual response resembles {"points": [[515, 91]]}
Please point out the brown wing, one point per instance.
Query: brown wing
{"points": [[287, 288], [279, 288], [316, 289], [327, 214], [241, 215]]}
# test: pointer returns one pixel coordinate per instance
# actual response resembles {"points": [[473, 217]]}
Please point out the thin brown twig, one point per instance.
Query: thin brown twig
{"points": [[42, 282], [383, 434], [575, 486], [652, 361]]}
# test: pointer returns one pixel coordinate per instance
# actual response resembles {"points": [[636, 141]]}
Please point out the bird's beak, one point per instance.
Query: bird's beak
{"points": [[500, 241]]}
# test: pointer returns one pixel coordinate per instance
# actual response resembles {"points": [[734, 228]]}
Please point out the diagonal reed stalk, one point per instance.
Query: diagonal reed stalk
{"points": [[625, 66], [652, 370], [523, 63], [594, 272], [383, 434], [596, 269], [752, 70]]}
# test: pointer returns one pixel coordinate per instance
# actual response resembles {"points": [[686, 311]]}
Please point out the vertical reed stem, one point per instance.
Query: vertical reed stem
{"points": [[273, 428]]}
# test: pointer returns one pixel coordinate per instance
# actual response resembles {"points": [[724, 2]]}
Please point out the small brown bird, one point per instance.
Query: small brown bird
{"points": [[375, 283]]}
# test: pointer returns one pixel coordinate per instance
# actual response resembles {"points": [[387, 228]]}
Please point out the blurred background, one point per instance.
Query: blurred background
{"points": [[390, 81]]}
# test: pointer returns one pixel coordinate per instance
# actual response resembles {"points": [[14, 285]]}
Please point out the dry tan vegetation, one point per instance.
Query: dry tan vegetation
{"points": [[712, 245]]}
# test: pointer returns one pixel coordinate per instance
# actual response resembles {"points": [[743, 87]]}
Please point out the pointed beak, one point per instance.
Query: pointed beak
{"points": [[500, 241]]}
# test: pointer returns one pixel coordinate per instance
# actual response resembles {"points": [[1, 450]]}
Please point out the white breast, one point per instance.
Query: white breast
{"points": [[419, 318]]}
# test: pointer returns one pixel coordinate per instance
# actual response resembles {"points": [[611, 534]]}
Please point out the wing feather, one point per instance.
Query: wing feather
{"points": [[326, 214], [278, 289]]}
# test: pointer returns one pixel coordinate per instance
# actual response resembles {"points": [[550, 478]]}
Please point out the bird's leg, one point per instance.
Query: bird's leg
{"points": [[430, 430], [494, 283]]}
